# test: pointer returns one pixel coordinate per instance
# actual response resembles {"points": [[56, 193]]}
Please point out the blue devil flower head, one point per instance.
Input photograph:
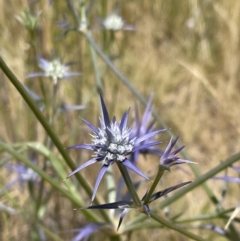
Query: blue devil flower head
{"points": [[113, 142]]}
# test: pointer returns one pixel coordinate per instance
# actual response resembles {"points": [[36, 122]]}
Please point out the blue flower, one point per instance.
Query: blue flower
{"points": [[227, 178], [142, 127], [53, 69], [24, 174], [170, 158], [85, 232], [113, 142]]}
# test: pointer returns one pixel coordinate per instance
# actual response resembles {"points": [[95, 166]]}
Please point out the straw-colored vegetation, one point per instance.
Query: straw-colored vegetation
{"points": [[185, 52]]}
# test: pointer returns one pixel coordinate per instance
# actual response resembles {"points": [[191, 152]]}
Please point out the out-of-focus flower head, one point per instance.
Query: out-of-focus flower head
{"points": [[115, 22], [142, 127], [227, 178], [85, 232], [113, 142], [54, 69], [170, 158], [24, 174], [216, 229]]}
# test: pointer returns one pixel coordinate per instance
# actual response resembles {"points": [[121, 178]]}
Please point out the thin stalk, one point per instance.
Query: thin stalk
{"points": [[137, 202], [52, 111], [205, 217], [111, 189], [175, 227], [72, 9], [83, 25], [40, 191], [96, 69], [49, 131], [161, 170]]}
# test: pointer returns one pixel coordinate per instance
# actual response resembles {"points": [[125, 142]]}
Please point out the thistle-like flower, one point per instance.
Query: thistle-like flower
{"points": [[170, 158], [142, 127], [113, 142], [53, 69]]}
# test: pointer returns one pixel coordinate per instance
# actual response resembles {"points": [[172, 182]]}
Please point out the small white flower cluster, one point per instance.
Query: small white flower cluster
{"points": [[113, 22], [54, 69]]}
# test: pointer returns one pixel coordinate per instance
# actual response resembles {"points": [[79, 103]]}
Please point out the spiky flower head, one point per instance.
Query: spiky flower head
{"points": [[142, 127], [53, 69], [170, 158], [113, 142]]}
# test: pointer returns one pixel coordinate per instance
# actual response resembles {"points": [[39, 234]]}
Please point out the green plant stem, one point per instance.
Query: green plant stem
{"points": [[205, 217], [49, 131], [52, 111], [96, 69], [221, 215], [72, 9], [40, 191], [175, 227], [126, 82], [161, 170], [111, 189], [137, 202]]}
